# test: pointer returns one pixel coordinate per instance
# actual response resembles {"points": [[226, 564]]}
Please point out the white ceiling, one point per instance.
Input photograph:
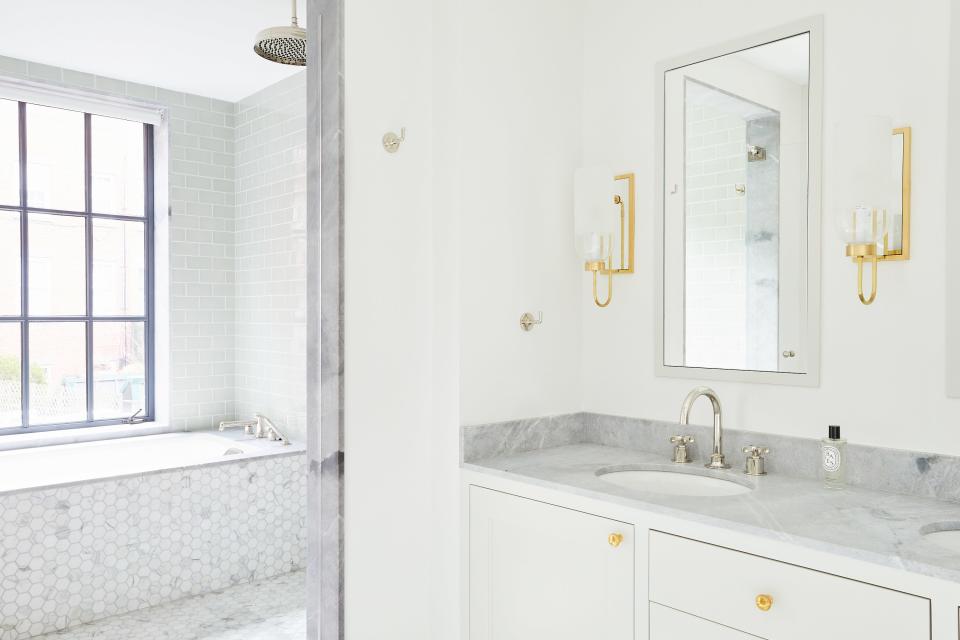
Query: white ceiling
{"points": [[198, 46]]}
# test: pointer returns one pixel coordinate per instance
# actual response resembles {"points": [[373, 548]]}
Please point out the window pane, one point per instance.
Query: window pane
{"points": [[57, 372], [116, 148], [118, 369], [57, 254], [10, 374], [54, 158], [9, 152], [118, 259], [9, 263]]}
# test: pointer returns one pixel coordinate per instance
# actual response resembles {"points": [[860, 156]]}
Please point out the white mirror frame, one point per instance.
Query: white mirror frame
{"points": [[811, 378]]}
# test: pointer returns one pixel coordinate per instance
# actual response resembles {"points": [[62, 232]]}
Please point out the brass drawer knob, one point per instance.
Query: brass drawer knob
{"points": [[764, 602], [614, 539]]}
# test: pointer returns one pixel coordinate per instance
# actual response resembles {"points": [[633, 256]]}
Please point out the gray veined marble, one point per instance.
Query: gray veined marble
{"points": [[325, 206], [893, 496], [891, 470], [266, 610], [873, 526]]}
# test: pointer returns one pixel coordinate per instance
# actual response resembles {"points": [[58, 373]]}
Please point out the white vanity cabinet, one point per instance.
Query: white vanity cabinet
{"points": [[776, 600], [541, 572]]}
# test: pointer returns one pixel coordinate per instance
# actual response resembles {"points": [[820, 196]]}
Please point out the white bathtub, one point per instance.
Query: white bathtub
{"points": [[69, 463]]}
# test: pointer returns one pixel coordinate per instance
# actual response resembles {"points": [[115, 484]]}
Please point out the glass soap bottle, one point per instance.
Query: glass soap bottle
{"points": [[833, 457]]}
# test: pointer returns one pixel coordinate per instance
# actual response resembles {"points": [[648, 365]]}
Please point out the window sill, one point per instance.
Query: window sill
{"points": [[87, 434]]}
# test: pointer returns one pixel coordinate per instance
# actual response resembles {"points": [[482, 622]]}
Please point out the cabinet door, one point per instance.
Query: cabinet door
{"points": [[541, 572], [670, 624]]}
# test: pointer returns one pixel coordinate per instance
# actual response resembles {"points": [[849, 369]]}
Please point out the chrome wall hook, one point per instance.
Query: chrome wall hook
{"points": [[391, 141]]}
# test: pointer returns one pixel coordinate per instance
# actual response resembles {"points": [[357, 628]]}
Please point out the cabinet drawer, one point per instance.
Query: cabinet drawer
{"points": [[722, 585], [670, 624]]}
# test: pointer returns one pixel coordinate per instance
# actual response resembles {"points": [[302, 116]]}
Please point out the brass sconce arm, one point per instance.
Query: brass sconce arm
{"points": [[597, 268], [605, 267], [861, 252]]}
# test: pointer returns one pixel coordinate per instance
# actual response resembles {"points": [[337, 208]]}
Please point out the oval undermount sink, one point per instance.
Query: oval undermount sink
{"points": [[674, 483], [943, 534]]}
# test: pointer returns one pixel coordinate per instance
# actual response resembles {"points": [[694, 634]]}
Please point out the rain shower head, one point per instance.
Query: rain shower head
{"points": [[286, 45]]}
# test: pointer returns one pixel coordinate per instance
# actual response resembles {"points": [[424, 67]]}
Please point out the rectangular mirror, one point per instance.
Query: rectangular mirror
{"points": [[739, 217]]}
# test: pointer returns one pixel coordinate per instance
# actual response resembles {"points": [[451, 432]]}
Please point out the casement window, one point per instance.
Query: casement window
{"points": [[76, 268]]}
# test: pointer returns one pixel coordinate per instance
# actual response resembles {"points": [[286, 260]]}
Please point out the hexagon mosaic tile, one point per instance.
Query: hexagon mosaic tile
{"points": [[272, 609], [70, 555]]}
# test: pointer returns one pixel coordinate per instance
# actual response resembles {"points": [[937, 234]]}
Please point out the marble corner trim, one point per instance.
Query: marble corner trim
{"points": [[891, 470], [74, 554], [325, 351]]}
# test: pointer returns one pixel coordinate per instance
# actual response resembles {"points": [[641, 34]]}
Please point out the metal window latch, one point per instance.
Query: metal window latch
{"points": [[136, 418]]}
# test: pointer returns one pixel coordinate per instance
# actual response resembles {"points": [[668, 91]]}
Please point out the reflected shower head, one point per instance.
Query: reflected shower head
{"points": [[286, 45]]}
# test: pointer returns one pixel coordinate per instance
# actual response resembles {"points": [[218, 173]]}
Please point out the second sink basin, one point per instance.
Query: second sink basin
{"points": [[945, 535], [674, 483]]}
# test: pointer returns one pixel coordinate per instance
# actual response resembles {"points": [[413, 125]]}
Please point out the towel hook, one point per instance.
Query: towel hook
{"points": [[391, 141]]}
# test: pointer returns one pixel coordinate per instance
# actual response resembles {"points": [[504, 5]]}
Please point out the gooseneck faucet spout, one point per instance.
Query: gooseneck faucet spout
{"points": [[716, 458]]}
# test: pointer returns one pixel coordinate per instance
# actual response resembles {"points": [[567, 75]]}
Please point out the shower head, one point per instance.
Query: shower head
{"points": [[286, 45]]}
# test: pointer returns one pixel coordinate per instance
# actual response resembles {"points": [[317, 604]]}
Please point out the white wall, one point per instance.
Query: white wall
{"points": [[953, 219], [520, 82], [882, 374], [401, 319]]}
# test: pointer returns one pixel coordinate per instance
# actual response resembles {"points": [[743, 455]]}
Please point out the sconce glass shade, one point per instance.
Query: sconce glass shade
{"points": [[595, 215], [864, 180]]}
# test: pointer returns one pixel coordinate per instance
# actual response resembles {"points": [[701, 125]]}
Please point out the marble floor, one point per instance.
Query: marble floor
{"points": [[272, 609]]}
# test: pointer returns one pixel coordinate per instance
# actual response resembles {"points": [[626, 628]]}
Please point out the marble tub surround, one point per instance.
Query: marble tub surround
{"points": [[891, 470], [862, 524], [81, 552]]}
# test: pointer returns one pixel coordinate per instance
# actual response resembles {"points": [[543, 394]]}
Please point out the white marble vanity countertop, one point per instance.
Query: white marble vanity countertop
{"points": [[867, 525]]}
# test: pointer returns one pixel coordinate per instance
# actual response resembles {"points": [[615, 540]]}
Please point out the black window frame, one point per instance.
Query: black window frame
{"points": [[89, 319]]}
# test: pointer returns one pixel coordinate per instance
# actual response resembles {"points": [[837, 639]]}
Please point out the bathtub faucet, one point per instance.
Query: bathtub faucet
{"points": [[260, 426]]}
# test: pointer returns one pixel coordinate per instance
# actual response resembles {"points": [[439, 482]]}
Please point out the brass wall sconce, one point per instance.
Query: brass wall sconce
{"points": [[599, 228], [874, 218]]}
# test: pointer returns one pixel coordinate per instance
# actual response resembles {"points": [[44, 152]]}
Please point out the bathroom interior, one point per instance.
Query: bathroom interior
{"points": [[435, 319]]}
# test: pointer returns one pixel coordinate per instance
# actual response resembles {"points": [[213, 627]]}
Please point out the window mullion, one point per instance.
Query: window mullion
{"points": [[24, 281], [88, 207], [149, 309]]}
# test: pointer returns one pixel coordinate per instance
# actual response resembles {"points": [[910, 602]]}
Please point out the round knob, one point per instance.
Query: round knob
{"points": [[614, 539], [764, 602]]}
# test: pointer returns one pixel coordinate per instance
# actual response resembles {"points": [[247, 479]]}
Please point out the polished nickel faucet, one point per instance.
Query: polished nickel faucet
{"points": [[260, 426], [716, 458]]}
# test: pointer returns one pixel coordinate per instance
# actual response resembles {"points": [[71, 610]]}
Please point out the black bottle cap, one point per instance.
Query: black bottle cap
{"points": [[834, 432]]}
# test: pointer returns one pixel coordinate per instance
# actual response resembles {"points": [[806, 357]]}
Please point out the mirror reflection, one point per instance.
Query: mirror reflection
{"points": [[735, 209]]}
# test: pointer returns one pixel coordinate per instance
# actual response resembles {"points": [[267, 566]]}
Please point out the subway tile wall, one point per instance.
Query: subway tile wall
{"points": [[270, 254], [206, 323]]}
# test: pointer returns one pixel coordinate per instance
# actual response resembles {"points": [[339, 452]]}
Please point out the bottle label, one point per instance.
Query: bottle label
{"points": [[831, 458]]}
